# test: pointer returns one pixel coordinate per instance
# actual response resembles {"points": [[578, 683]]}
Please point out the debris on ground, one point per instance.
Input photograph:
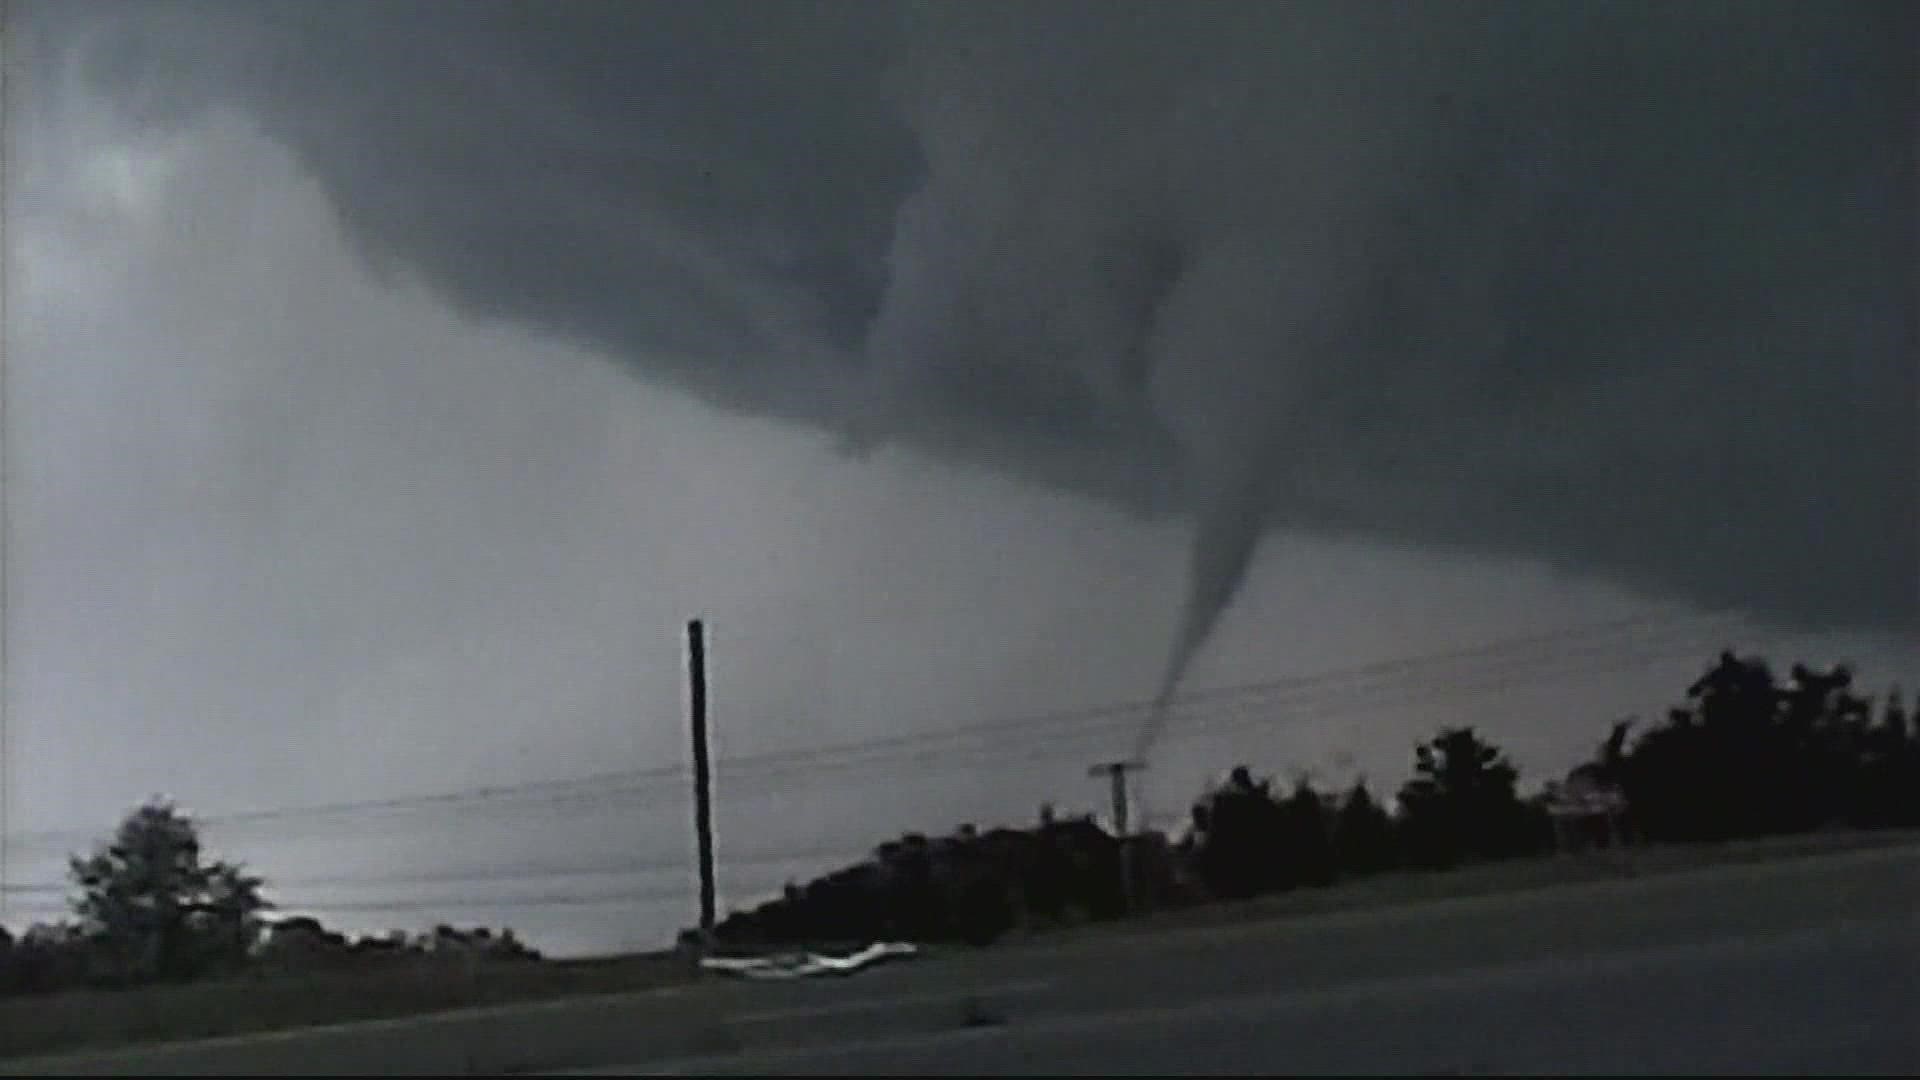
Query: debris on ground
{"points": [[807, 964]]}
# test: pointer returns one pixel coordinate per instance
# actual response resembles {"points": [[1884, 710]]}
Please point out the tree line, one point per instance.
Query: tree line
{"points": [[150, 907], [1747, 753]]}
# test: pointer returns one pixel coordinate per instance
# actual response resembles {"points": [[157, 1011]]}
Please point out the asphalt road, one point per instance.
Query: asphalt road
{"points": [[1808, 966]]}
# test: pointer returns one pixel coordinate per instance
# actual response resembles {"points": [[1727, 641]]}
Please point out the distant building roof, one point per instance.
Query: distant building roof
{"points": [[1583, 794]]}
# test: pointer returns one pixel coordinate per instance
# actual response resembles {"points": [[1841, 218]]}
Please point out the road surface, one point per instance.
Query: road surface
{"points": [[1808, 966]]}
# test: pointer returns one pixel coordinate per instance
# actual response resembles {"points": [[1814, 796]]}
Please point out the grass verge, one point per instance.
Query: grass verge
{"points": [[84, 1019]]}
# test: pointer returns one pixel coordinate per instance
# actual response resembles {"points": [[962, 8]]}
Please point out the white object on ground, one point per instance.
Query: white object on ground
{"points": [[800, 965]]}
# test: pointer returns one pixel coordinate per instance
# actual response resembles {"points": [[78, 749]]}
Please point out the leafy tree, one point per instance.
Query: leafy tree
{"points": [[1306, 838], [156, 909], [1363, 833], [1894, 721], [1241, 827], [1613, 753], [45, 959], [969, 886], [1462, 802], [1887, 789], [1748, 755]]}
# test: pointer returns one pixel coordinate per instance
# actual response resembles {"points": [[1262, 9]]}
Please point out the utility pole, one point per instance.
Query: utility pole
{"points": [[702, 770], [7, 283], [1116, 774]]}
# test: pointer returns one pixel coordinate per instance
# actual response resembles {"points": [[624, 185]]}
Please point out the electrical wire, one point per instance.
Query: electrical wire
{"points": [[632, 788]]}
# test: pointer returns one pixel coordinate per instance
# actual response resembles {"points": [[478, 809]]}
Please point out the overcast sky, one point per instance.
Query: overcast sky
{"points": [[389, 382]]}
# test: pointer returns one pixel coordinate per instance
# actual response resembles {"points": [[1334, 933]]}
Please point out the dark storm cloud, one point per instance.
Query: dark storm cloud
{"points": [[1624, 288]]}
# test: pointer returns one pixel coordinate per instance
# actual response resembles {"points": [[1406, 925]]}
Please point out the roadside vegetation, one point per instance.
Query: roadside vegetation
{"points": [[167, 942]]}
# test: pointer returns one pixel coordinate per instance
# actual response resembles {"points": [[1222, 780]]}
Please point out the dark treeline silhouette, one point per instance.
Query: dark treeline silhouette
{"points": [[149, 908], [1751, 755], [950, 888], [1746, 755]]}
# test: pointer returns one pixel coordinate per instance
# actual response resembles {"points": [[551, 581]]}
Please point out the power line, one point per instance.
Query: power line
{"points": [[1066, 727], [476, 904], [600, 790], [528, 871], [789, 776], [1226, 715], [557, 790], [1231, 715], [938, 747], [1305, 700], [1113, 714], [1122, 712], [1129, 709], [504, 875], [1594, 660], [490, 875]]}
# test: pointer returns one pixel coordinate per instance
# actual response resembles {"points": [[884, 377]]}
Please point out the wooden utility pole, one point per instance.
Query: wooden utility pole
{"points": [[1116, 774], [702, 769]]}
